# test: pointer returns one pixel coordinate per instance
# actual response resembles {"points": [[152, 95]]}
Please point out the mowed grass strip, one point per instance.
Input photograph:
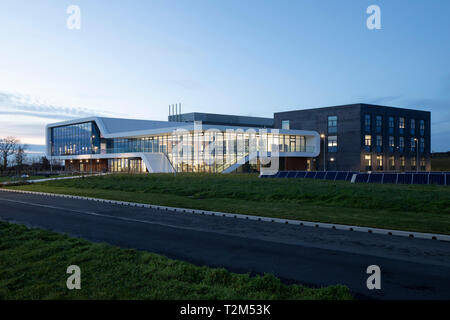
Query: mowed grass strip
{"points": [[422, 208], [33, 265]]}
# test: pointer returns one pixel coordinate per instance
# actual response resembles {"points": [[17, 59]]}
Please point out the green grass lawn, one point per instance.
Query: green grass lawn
{"points": [[33, 265], [423, 208]]}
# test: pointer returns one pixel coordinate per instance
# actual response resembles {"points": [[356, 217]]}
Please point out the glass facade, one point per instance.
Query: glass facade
{"points": [[285, 124], [209, 151], [188, 151], [76, 139], [127, 165]]}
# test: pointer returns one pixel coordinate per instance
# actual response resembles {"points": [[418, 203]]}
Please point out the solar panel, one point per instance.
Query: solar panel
{"points": [[331, 175], [301, 174], [320, 175], [341, 175], [283, 174], [375, 177], [437, 178], [390, 178], [404, 178], [361, 177], [310, 175], [350, 175], [420, 178], [291, 174]]}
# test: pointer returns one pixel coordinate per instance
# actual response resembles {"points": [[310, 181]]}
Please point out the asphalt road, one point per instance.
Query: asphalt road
{"points": [[410, 268]]}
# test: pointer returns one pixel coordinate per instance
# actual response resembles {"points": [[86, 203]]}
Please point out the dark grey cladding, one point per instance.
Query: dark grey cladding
{"points": [[223, 119], [351, 131]]}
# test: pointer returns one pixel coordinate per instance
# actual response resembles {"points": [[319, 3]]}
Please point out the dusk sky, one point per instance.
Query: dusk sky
{"points": [[247, 57]]}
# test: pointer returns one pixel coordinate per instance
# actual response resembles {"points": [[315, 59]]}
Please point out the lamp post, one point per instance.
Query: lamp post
{"points": [[323, 136], [417, 154]]}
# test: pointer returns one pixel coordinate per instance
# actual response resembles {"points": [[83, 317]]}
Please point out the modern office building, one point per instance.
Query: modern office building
{"points": [[356, 137], [194, 143], [364, 137]]}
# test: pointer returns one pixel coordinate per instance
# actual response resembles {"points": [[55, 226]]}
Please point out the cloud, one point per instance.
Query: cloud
{"points": [[37, 115], [25, 117], [21, 104]]}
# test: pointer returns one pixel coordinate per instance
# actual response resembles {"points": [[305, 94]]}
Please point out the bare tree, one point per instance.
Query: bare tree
{"points": [[20, 156], [8, 146]]}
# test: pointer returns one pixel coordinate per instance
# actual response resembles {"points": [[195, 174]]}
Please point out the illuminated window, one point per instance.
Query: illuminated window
{"points": [[367, 141], [422, 164], [392, 162], [332, 144], [380, 162], [368, 161]]}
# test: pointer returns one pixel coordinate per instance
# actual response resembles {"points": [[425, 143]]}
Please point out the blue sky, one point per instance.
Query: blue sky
{"points": [[251, 57]]}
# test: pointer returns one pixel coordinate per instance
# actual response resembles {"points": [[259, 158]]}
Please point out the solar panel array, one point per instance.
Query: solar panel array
{"points": [[321, 175], [438, 178]]}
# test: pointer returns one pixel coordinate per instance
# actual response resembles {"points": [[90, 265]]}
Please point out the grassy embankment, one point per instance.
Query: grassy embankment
{"points": [[423, 208], [33, 265]]}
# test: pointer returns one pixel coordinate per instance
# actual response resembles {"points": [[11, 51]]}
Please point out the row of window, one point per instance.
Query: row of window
{"points": [[333, 144], [333, 120], [391, 163], [391, 125], [391, 143]]}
